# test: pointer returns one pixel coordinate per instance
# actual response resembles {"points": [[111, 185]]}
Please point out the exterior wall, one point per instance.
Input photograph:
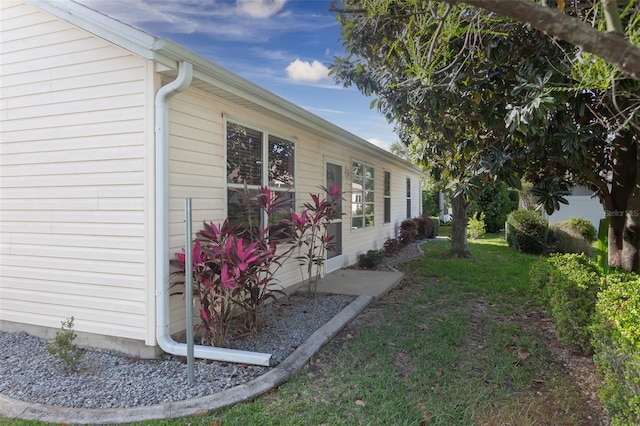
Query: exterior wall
{"points": [[198, 170], [73, 179]]}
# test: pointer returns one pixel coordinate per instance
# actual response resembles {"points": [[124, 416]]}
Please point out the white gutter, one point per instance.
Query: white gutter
{"points": [[165, 341]]}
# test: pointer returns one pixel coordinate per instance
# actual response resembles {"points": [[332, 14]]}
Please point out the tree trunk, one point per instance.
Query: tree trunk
{"points": [[459, 248], [622, 206]]}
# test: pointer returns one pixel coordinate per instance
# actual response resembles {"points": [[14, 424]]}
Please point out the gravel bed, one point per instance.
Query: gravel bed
{"points": [[108, 380]]}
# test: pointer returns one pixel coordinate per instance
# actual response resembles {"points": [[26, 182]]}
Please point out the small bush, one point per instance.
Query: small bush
{"points": [[527, 231], [408, 231], [584, 227], [476, 227], [616, 340], [371, 259], [572, 291], [424, 227], [64, 348], [391, 247], [563, 238], [436, 226]]}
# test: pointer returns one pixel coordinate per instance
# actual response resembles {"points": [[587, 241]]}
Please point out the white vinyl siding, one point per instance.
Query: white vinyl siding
{"points": [[72, 178]]}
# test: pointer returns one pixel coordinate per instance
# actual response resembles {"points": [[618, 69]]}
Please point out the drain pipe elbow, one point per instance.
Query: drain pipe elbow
{"points": [[163, 335]]}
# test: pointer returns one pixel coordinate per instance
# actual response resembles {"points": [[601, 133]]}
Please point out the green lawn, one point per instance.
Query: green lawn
{"points": [[456, 343]]}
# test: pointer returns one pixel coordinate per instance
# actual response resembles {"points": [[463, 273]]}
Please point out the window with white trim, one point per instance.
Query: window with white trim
{"points": [[362, 195], [387, 197], [256, 158]]}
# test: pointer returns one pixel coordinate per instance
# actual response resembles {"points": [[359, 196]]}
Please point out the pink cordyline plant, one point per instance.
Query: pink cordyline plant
{"points": [[311, 237], [236, 274]]}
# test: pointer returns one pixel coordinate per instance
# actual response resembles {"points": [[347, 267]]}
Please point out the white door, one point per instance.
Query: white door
{"points": [[334, 253]]}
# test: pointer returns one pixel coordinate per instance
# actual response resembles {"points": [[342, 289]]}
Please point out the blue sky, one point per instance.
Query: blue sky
{"points": [[283, 46]]}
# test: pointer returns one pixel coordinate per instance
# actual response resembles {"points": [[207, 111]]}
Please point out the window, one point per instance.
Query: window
{"points": [[387, 197], [256, 159], [362, 196], [408, 198]]}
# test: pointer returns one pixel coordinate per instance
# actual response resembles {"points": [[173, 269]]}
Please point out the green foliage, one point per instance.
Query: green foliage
{"points": [[436, 226], [495, 202], [616, 339], [565, 238], [539, 279], [572, 298], [64, 348], [430, 202], [527, 231], [569, 285], [476, 226], [583, 226], [602, 245], [371, 259]]}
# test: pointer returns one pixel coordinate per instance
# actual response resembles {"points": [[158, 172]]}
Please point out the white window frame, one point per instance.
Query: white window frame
{"points": [[359, 197], [264, 178]]}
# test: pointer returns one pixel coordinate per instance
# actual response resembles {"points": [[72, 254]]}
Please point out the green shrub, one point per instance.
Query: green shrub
{"points": [[371, 259], [539, 279], [584, 227], [476, 226], [431, 202], [572, 292], [496, 204], [603, 245], [436, 226], [527, 231], [64, 348], [564, 238], [616, 340]]}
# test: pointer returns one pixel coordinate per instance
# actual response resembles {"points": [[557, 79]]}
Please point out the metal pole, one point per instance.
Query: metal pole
{"points": [[188, 268]]}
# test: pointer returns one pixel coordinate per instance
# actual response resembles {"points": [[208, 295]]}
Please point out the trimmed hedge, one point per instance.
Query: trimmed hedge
{"points": [[583, 226], [436, 226], [527, 231], [568, 285], [616, 340], [565, 238]]}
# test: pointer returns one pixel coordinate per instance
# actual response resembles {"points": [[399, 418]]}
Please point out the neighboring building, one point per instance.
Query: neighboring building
{"points": [[105, 130], [583, 204]]}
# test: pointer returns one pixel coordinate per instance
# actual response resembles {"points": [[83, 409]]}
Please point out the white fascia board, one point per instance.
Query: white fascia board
{"points": [[99, 24]]}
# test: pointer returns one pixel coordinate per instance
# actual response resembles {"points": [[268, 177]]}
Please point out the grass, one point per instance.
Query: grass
{"points": [[453, 345]]}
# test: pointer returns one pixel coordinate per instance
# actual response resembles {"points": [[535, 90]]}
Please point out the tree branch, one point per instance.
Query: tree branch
{"points": [[610, 46]]}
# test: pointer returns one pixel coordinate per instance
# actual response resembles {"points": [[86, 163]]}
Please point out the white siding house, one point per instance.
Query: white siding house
{"points": [[583, 204], [104, 131]]}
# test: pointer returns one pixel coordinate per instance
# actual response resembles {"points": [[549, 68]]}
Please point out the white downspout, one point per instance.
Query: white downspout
{"points": [[165, 341]]}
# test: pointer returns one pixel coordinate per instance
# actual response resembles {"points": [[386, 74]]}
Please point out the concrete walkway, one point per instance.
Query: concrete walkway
{"points": [[366, 285]]}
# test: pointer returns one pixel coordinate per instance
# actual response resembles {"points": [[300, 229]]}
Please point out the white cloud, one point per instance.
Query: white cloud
{"points": [[260, 8], [379, 143], [307, 71]]}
